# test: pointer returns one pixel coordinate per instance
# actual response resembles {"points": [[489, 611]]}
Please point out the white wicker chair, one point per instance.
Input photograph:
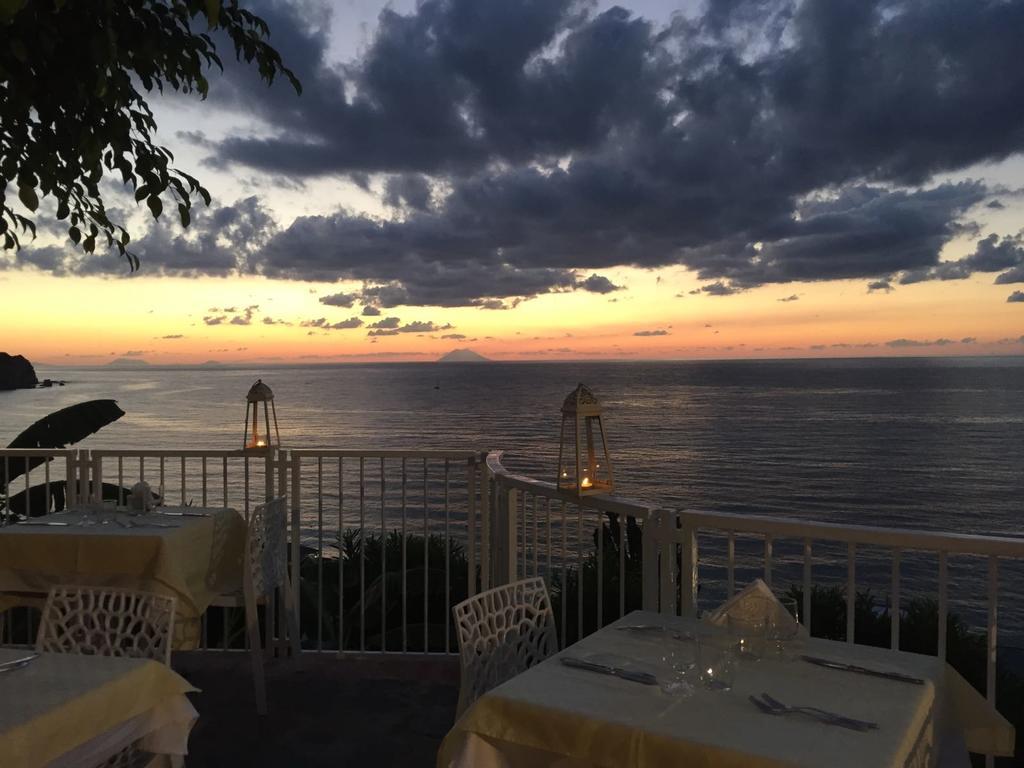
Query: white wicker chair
{"points": [[502, 632], [107, 622], [97, 621], [265, 575]]}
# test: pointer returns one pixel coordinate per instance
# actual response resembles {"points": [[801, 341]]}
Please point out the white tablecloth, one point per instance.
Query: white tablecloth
{"points": [[69, 710], [554, 715]]}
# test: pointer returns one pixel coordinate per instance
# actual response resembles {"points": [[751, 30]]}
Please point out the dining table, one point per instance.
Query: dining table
{"points": [[64, 710], [190, 553], [601, 702]]}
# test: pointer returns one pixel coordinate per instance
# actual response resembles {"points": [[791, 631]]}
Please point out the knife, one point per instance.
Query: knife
{"points": [[42, 522], [862, 670], [7, 666], [645, 678]]}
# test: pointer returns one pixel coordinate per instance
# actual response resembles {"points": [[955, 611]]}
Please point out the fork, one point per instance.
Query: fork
{"points": [[772, 706]]}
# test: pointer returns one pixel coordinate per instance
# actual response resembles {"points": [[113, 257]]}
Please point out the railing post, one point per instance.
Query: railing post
{"points": [[486, 543], [650, 538], [97, 479], [505, 566], [511, 564], [71, 483], [273, 456], [296, 553], [472, 468], [688, 571]]}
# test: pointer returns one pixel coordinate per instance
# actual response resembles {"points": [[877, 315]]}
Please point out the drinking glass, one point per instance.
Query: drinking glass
{"points": [[749, 633], [783, 633], [678, 657], [716, 661]]}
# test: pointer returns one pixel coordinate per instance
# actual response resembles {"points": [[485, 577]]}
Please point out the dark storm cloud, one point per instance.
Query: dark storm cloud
{"points": [[370, 311], [411, 189], [389, 326], [792, 297], [324, 323], [173, 336], [525, 143], [222, 241], [900, 343], [1015, 297], [880, 285], [659, 332], [992, 254], [339, 300], [598, 284]]}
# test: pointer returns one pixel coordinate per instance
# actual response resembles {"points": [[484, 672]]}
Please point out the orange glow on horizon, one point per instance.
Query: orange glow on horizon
{"points": [[90, 321]]}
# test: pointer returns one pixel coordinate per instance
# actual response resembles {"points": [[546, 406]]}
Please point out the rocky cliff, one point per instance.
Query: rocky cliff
{"points": [[16, 372]]}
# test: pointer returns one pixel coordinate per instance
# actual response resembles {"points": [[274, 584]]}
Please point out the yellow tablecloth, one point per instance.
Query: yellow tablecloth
{"points": [[598, 720], [194, 561], [60, 702]]}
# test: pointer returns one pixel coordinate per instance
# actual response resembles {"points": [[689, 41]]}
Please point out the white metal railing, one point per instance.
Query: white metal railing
{"points": [[352, 503], [56, 471], [540, 530]]}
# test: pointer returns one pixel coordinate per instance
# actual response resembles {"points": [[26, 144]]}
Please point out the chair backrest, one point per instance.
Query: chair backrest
{"points": [[267, 545], [107, 622], [502, 632]]}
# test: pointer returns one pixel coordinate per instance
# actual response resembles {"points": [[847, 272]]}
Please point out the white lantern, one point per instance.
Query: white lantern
{"points": [[584, 466], [260, 440]]}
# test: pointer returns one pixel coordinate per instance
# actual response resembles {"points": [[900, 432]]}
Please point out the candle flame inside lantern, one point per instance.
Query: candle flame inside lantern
{"points": [[586, 483]]}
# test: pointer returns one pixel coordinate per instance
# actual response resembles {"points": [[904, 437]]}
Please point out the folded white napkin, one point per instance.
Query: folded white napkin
{"points": [[755, 601]]}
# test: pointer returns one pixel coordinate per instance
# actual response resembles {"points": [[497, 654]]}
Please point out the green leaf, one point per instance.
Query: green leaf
{"points": [[140, 193], [89, 244], [204, 194], [75, 234], [213, 12], [155, 206], [185, 216], [28, 196], [62, 209]]}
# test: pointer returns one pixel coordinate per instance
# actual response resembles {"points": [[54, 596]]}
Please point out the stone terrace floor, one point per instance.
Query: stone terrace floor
{"points": [[323, 711]]}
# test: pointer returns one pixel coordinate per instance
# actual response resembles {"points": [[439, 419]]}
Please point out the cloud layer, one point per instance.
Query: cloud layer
{"points": [[525, 145]]}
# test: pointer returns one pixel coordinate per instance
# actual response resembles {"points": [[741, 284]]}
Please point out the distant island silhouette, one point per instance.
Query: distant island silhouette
{"points": [[127, 362], [463, 356]]}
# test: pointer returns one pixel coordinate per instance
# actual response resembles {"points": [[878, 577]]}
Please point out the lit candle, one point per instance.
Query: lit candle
{"points": [[261, 443], [586, 483]]}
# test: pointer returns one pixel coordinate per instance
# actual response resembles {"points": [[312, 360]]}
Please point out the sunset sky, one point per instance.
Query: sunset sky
{"points": [[546, 179]]}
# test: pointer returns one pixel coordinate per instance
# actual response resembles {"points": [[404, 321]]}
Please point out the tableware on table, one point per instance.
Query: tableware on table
{"points": [[716, 661], [750, 628], [678, 658], [181, 514], [19, 663], [784, 638], [636, 676], [43, 522], [772, 706], [140, 500], [845, 667]]}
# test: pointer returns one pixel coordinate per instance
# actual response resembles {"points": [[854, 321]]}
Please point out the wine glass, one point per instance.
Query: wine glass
{"points": [[716, 661], [784, 631]]}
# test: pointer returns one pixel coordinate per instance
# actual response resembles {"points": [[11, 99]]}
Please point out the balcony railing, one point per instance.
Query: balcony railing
{"points": [[384, 542]]}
